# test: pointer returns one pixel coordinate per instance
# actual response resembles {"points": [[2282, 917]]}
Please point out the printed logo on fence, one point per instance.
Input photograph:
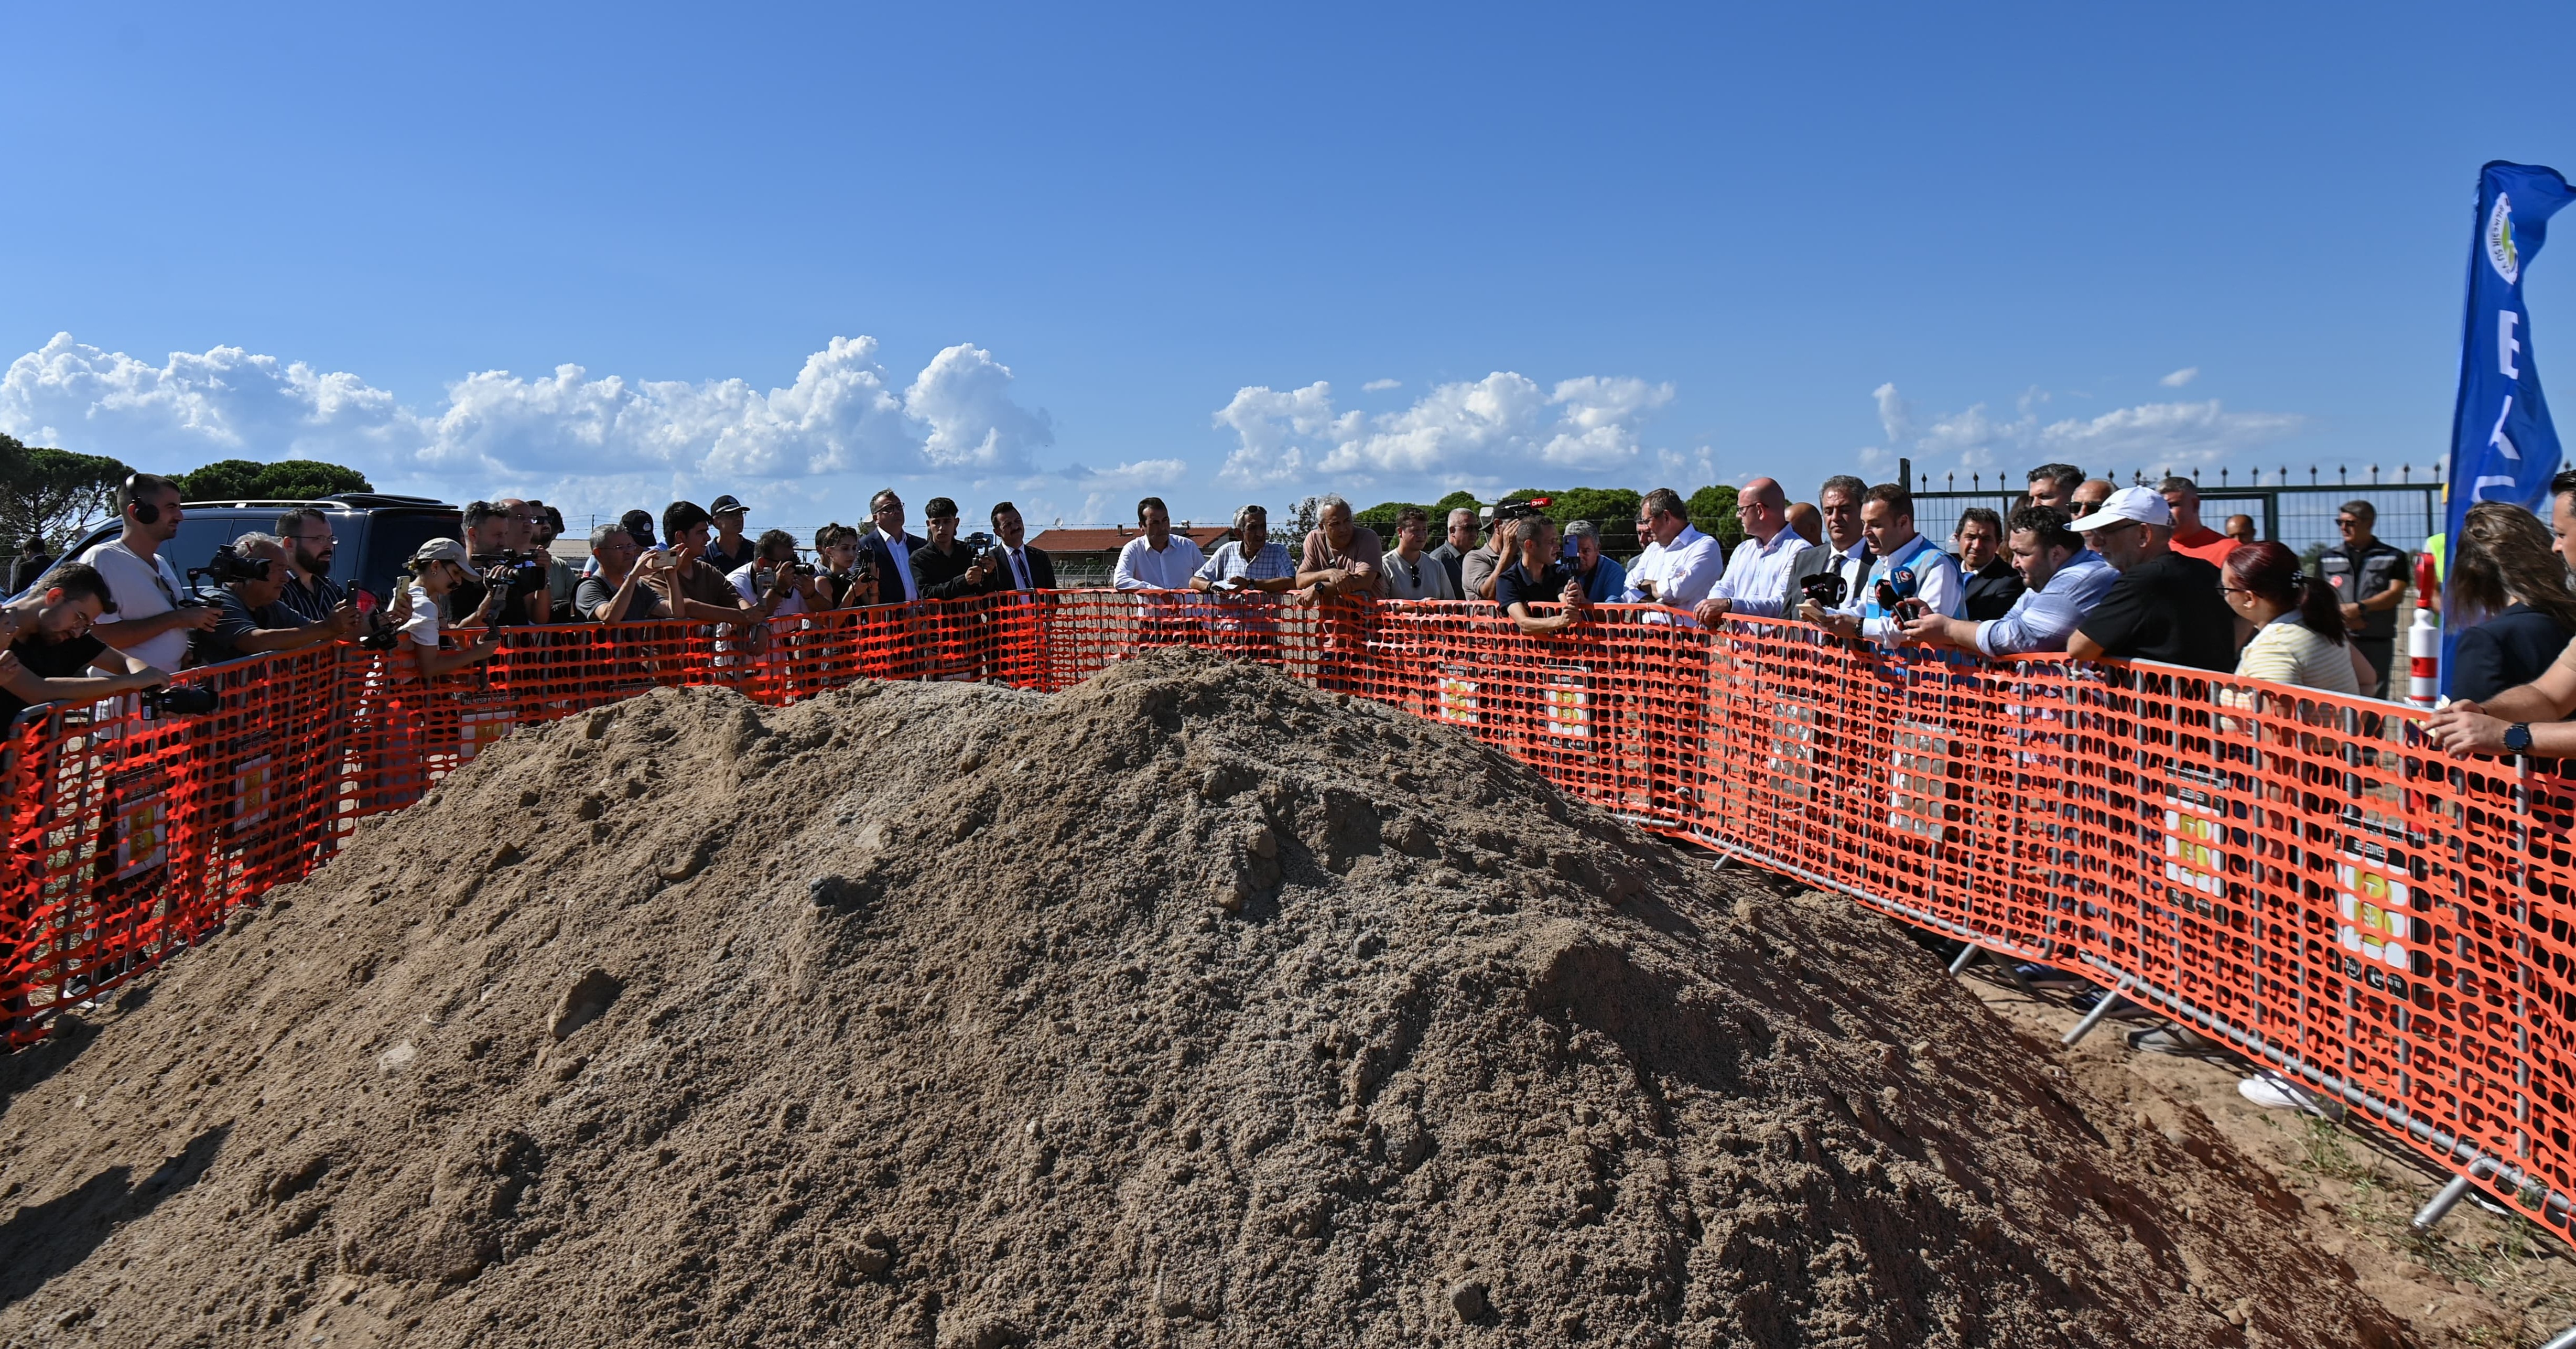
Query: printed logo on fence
{"points": [[479, 731], [142, 836], [251, 792], [1457, 696], [2192, 858], [2375, 925], [1566, 703]]}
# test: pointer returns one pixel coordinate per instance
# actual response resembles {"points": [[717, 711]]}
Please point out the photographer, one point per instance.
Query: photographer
{"points": [[438, 571], [847, 581], [946, 568], [56, 656], [616, 594], [146, 618], [562, 582], [248, 618], [775, 579], [1538, 577], [497, 535]]}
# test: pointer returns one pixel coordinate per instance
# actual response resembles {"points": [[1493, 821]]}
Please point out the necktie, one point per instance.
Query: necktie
{"points": [[1020, 570]]}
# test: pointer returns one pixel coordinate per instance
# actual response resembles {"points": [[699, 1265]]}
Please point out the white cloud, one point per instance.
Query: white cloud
{"points": [[2180, 377], [584, 440], [1381, 385], [1469, 432], [2147, 436]]}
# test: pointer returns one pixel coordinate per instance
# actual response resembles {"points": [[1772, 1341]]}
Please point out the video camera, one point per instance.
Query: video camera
{"points": [[1521, 509], [1826, 588], [181, 700], [979, 543], [224, 568], [516, 574]]}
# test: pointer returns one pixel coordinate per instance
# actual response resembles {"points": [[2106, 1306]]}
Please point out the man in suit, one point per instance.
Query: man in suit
{"points": [[890, 549], [1023, 567], [1845, 548]]}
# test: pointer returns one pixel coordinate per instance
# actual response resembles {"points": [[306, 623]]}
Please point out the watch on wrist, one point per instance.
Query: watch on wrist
{"points": [[2517, 737]]}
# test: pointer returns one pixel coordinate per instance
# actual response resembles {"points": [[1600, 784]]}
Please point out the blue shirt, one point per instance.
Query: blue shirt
{"points": [[1608, 581], [1228, 562], [2042, 619]]}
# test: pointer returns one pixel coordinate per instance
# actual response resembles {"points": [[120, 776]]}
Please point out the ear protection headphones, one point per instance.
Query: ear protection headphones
{"points": [[145, 513]]}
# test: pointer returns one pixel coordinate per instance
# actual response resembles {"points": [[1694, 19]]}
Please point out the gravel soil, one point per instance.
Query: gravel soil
{"points": [[1187, 1007]]}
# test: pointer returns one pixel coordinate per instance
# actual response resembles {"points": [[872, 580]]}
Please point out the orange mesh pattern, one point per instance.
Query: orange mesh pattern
{"points": [[2290, 871]]}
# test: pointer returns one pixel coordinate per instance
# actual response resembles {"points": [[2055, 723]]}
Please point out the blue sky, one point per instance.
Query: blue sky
{"points": [[1075, 256]]}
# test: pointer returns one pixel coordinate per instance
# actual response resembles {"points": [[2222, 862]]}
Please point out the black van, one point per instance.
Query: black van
{"points": [[377, 532]]}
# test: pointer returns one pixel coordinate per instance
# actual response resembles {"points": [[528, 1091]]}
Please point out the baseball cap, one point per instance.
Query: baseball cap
{"points": [[728, 505], [439, 550], [2141, 504], [639, 524]]}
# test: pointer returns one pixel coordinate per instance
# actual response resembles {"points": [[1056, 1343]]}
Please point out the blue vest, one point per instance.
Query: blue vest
{"points": [[1906, 570]]}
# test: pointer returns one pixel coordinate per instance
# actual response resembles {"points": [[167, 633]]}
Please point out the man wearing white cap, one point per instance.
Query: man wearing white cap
{"points": [[2166, 606]]}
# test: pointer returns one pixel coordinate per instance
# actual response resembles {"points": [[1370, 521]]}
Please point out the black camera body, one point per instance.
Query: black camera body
{"points": [[979, 543], [1521, 509], [1826, 588], [181, 700], [513, 574], [224, 568]]}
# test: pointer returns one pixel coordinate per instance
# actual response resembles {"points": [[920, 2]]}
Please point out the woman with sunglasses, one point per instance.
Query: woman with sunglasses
{"points": [[2299, 634]]}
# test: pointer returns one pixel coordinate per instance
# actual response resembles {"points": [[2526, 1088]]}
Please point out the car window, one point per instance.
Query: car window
{"points": [[391, 537]]}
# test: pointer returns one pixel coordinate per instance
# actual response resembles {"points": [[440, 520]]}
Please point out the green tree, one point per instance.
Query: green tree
{"points": [[48, 493], [1381, 517], [1712, 512], [285, 480], [1440, 509]]}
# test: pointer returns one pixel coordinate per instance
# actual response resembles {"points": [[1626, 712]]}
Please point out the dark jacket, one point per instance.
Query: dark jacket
{"points": [[942, 576], [1041, 570], [881, 561], [1814, 559], [1991, 590], [2507, 651]]}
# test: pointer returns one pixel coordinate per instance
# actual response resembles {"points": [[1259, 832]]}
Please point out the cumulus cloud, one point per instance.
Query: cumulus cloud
{"points": [[2180, 377], [580, 436], [1381, 385], [2147, 436], [1469, 432]]}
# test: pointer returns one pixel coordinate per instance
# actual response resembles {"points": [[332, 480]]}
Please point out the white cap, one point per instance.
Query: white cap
{"points": [[2142, 504]]}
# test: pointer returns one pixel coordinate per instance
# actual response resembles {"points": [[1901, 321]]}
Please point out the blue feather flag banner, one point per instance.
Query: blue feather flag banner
{"points": [[2502, 445]]}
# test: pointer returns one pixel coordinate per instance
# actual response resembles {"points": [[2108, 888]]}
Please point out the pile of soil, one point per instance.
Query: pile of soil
{"points": [[1188, 1007]]}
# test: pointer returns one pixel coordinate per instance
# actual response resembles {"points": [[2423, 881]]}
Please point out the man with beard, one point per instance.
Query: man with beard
{"points": [[308, 591]]}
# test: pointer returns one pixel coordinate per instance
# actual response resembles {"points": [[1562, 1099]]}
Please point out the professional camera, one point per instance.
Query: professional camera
{"points": [[224, 568], [1826, 588], [1521, 509], [180, 700], [979, 543], [515, 575]]}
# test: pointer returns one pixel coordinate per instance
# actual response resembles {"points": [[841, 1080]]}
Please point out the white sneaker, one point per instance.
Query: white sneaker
{"points": [[2272, 1091]]}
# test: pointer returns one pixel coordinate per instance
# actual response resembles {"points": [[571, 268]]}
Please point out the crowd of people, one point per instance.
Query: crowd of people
{"points": [[2081, 566]]}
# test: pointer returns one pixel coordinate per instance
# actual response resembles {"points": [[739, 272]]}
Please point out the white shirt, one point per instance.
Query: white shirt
{"points": [[422, 624], [142, 590], [902, 563], [1141, 568], [1757, 577], [1019, 559], [1683, 571], [746, 585], [1937, 584]]}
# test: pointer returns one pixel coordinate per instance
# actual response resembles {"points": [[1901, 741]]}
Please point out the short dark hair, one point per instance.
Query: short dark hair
{"points": [[2564, 483], [2067, 476], [1001, 506], [773, 538], [79, 580], [2369, 513], [2175, 482], [137, 486], [1663, 501], [938, 508], [2047, 524], [476, 512], [832, 534], [1150, 504], [879, 499], [1411, 514], [681, 516], [1846, 484], [1896, 496], [1979, 515], [287, 521]]}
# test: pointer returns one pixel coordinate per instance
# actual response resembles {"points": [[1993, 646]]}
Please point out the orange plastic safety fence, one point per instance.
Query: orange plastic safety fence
{"points": [[2284, 870]]}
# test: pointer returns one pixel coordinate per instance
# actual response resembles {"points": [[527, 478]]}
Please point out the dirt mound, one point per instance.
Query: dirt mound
{"points": [[1187, 1007]]}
